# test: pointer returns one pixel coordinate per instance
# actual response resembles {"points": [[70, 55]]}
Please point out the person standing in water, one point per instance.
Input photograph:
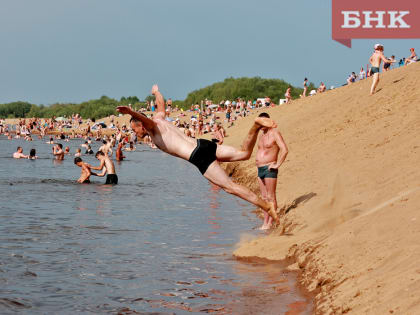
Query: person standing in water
{"points": [[19, 154], [204, 154], [107, 168], [376, 60], [85, 173], [106, 148], [119, 156], [32, 155], [271, 153], [58, 152]]}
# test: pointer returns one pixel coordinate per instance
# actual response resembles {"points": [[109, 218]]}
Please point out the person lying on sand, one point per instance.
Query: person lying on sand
{"points": [[204, 154], [270, 145], [18, 154], [86, 172], [107, 167]]}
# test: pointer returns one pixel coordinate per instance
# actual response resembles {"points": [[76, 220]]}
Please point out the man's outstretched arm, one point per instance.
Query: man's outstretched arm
{"points": [[148, 124], [97, 168]]}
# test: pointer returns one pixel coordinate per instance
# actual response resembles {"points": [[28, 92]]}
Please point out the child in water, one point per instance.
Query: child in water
{"points": [[86, 172]]}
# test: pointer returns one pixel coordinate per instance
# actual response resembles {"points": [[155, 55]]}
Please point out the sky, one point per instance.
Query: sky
{"points": [[75, 50]]}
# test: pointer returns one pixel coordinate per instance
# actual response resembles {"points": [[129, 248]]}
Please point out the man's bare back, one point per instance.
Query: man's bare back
{"points": [[85, 171], [376, 59], [119, 155]]}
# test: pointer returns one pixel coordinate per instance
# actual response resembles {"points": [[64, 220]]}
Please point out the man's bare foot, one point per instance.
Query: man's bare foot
{"points": [[265, 122], [272, 213], [264, 227], [155, 89]]}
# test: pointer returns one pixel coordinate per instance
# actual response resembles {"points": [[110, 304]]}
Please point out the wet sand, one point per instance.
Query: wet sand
{"points": [[350, 189]]}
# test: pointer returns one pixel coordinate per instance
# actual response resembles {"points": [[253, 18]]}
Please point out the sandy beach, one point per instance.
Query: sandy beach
{"points": [[349, 193], [351, 190]]}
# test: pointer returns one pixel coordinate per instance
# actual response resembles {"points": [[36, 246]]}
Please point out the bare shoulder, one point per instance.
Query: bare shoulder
{"points": [[278, 135], [276, 131]]}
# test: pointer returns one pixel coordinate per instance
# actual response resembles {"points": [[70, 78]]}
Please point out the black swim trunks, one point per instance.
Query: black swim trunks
{"points": [[203, 155], [111, 179], [374, 70], [265, 172]]}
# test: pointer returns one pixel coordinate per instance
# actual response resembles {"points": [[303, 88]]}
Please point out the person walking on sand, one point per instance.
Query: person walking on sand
{"points": [[107, 168], [305, 87], [204, 154], [376, 60], [288, 95], [271, 153]]}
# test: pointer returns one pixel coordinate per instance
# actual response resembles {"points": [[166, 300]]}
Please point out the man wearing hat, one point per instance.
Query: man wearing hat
{"points": [[376, 60]]}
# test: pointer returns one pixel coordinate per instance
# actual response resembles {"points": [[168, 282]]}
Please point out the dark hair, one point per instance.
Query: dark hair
{"points": [[18, 148], [132, 119], [77, 160], [306, 79], [60, 145], [32, 152], [104, 142], [264, 115], [99, 153]]}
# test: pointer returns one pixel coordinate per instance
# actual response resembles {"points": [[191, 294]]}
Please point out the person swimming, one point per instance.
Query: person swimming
{"points": [[19, 154], [32, 155]]}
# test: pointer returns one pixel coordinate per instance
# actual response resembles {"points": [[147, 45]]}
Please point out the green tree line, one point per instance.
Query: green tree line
{"points": [[245, 88], [230, 88], [97, 108]]}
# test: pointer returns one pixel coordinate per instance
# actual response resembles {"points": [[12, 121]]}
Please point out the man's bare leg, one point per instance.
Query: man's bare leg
{"points": [[264, 197], [217, 176], [160, 101], [270, 186], [374, 83]]}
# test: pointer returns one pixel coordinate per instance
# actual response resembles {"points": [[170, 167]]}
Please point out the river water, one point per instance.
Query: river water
{"points": [[160, 242]]}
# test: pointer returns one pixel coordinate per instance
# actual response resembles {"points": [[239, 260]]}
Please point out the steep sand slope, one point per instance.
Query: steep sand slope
{"points": [[351, 183]]}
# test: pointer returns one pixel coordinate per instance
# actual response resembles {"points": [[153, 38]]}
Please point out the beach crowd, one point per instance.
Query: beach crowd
{"points": [[206, 120]]}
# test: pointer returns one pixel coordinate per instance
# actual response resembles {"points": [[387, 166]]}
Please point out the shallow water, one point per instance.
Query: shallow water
{"points": [[160, 242]]}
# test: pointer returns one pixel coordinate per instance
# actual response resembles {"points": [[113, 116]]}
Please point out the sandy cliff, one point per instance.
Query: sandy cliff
{"points": [[351, 187]]}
